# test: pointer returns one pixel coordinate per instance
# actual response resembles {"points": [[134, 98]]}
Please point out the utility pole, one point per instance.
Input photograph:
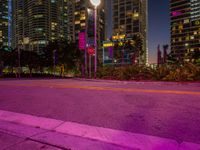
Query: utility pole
{"points": [[54, 63], [19, 62]]}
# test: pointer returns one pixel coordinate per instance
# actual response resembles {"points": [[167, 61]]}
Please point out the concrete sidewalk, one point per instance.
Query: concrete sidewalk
{"points": [[13, 142], [24, 132], [22, 137]]}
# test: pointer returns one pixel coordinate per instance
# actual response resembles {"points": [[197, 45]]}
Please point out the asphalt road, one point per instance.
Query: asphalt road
{"points": [[164, 109]]}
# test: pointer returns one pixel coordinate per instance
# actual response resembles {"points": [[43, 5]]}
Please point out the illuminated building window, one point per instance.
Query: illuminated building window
{"points": [[82, 17], [38, 29], [82, 24], [187, 38], [180, 26], [76, 13], [135, 15], [192, 37], [38, 16], [192, 50], [186, 21], [77, 22], [39, 2]]}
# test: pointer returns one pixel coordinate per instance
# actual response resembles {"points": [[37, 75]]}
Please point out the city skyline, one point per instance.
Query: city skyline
{"points": [[159, 27]]}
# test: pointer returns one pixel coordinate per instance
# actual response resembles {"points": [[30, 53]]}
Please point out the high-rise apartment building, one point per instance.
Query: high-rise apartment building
{"points": [[36, 22], [82, 19], [185, 28], [5, 22], [129, 18]]}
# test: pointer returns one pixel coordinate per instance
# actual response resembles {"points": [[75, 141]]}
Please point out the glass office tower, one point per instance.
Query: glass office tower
{"points": [[129, 18], [5, 23], [185, 29], [36, 22]]}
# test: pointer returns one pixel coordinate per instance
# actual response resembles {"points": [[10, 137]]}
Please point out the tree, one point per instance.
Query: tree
{"points": [[135, 48], [65, 53], [10, 58], [30, 59]]}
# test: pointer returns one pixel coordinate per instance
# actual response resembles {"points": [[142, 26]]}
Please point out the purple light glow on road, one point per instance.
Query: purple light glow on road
{"points": [[167, 110]]}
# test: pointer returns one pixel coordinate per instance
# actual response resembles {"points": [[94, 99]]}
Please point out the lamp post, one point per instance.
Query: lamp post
{"points": [[95, 3], [19, 62], [54, 63]]}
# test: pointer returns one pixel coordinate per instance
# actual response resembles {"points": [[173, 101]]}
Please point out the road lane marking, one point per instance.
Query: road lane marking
{"points": [[101, 88], [121, 138]]}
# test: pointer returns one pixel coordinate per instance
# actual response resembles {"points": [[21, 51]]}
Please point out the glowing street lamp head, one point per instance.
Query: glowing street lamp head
{"points": [[95, 2]]}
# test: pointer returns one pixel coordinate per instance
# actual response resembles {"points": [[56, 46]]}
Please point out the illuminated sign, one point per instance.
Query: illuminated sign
{"points": [[82, 40], [118, 37], [110, 44], [176, 13]]}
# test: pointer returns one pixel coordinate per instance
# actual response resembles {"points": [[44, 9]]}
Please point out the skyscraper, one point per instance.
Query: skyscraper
{"points": [[35, 23], [82, 19], [129, 18], [185, 29], [5, 28]]}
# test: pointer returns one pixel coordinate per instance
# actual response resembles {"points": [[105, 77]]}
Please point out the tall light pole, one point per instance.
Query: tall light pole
{"points": [[19, 61], [95, 3], [54, 63]]}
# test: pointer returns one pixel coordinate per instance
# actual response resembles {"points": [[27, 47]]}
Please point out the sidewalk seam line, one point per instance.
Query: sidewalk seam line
{"points": [[7, 148], [46, 143]]}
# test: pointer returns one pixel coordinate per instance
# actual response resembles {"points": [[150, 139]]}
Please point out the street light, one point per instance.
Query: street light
{"points": [[95, 3]]}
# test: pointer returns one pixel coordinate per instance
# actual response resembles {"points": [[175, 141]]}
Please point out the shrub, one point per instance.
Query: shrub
{"points": [[186, 72]]}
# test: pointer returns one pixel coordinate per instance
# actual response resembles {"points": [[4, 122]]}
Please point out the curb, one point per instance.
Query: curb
{"points": [[116, 137]]}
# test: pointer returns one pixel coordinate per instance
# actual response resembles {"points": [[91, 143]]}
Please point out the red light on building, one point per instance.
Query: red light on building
{"points": [[91, 50]]}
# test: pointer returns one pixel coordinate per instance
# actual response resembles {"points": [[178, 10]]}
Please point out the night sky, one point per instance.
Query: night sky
{"points": [[159, 26]]}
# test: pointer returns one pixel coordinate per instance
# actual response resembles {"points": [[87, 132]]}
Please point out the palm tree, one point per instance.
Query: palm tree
{"points": [[135, 45]]}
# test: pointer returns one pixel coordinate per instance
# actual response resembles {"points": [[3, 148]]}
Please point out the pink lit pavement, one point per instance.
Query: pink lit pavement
{"points": [[99, 115]]}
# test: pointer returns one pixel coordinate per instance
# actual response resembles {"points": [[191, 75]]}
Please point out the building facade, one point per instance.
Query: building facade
{"points": [[82, 20], [5, 23], [130, 18], [36, 22], [185, 29]]}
